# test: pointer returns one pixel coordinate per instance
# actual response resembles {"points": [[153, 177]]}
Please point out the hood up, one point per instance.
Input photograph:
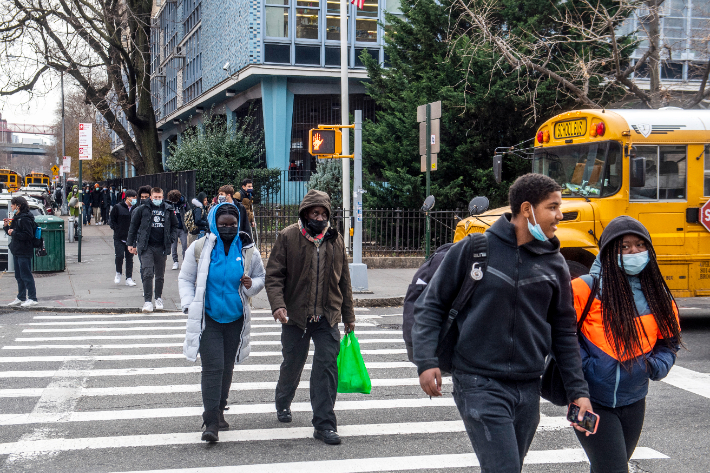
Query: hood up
{"points": [[314, 198]]}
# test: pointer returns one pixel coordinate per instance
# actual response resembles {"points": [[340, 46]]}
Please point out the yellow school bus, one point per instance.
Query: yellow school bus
{"points": [[10, 179], [37, 178], [653, 165]]}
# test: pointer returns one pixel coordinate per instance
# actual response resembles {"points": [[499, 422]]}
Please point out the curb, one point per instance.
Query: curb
{"points": [[379, 302]]}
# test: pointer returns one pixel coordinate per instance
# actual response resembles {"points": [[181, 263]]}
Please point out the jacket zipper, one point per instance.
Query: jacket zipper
{"points": [[315, 303], [515, 307]]}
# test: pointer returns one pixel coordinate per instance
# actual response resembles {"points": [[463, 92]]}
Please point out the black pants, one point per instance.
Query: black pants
{"points": [[500, 418], [121, 251], [25, 281], [104, 214], [218, 351], [610, 449], [152, 265], [324, 372]]}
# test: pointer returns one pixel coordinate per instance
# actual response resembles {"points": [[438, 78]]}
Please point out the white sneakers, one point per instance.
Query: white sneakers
{"points": [[117, 279], [15, 303], [148, 307], [159, 303], [29, 303], [176, 265], [129, 282]]}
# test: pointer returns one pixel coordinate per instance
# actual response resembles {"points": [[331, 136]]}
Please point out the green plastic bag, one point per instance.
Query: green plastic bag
{"points": [[352, 374]]}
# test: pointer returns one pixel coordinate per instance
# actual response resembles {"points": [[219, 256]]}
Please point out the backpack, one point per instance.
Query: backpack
{"points": [[189, 222], [478, 259], [38, 241]]}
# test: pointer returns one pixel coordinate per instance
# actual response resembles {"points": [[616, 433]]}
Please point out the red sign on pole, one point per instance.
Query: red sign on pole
{"points": [[705, 215]]}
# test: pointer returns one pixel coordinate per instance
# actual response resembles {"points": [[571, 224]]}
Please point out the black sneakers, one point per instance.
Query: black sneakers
{"points": [[330, 437], [211, 423], [223, 425], [284, 415]]}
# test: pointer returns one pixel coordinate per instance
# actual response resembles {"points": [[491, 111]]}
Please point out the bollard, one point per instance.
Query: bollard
{"points": [[70, 229]]}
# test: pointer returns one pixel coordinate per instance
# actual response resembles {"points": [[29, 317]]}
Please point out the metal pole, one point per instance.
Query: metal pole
{"points": [[358, 270], [345, 117], [65, 208], [81, 216], [428, 177]]}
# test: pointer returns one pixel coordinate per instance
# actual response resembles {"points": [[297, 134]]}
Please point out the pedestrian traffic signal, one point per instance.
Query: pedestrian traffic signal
{"points": [[325, 142]]}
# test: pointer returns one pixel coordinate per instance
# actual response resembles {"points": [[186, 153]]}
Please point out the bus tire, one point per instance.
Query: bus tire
{"points": [[576, 269]]}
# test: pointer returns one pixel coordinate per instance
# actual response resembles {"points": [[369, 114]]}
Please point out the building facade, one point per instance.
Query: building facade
{"points": [[278, 60]]}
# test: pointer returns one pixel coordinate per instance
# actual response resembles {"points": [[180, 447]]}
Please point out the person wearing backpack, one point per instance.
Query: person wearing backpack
{"points": [[219, 274], [199, 218], [178, 201], [21, 227], [521, 309]]}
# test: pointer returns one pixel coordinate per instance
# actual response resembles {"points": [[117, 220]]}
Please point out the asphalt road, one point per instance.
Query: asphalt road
{"points": [[131, 402]]}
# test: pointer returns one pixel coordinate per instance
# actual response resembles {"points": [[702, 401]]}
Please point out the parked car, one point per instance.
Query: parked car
{"points": [[38, 193]]}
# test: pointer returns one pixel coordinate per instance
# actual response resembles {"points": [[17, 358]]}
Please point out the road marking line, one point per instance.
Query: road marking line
{"points": [[691, 381], [553, 423], [109, 322], [419, 462], [140, 329], [375, 365], [106, 316], [173, 335], [155, 440], [163, 345], [160, 356], [193, 388]]}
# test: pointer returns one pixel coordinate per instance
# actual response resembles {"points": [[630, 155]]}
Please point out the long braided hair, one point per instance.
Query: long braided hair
{"points": [[619, 309]]}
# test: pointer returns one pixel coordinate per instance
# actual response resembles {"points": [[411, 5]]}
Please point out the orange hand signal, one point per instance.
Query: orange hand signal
{"points": [[317, 141]]}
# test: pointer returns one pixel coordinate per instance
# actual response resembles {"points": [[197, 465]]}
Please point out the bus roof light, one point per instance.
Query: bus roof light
{"points": [[601, 128], [546, 136], [539, 137], [593, 130]]}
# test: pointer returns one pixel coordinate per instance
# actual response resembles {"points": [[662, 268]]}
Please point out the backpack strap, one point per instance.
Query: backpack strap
{"points": [[478, 260], [588, 306]]}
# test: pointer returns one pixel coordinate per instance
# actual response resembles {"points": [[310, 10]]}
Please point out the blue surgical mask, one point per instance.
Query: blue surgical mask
{"points": [[535, 230], [634, 263], [157, 202], [134, 202]]}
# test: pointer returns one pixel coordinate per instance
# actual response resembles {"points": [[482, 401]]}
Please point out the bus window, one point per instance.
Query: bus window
{"points": [[612, 173], [3, 177], [665, 173]]}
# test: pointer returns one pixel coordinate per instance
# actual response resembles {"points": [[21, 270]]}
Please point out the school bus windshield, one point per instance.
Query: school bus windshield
{"points": [[583, 170]]}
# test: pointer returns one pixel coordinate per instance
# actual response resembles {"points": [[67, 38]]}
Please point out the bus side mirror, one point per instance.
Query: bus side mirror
{"points": [[478, 205], [428, 204], [637, 174], [498, 167]]}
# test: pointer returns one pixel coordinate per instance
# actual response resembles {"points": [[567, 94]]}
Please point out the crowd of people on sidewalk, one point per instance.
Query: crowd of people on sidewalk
{"points": [[609, 333]]}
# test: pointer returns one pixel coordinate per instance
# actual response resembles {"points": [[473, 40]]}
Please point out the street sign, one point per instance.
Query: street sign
{"points": [[66, 165], [85, 141], [433, 163], [435, 111], [324, 142], [55, 170], [433, 137], [705, 215]]}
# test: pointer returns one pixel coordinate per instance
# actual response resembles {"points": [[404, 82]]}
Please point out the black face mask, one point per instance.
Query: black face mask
{"points": [[316, 227], [228, 234]]}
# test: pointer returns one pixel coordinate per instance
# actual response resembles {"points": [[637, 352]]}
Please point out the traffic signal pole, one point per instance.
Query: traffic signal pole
{"points": [[428, 178], [358, 270], [81, 214], [345, 117]]}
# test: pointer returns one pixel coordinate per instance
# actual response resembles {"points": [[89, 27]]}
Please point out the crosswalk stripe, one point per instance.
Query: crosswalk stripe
{"points": [[192, 388], [252, 435], [173, 335], [161, 356], [124, 322], [105, 316], [143, 328], [164, 345], [547, 423], [689, 380], [375, 365], [418, 462]]}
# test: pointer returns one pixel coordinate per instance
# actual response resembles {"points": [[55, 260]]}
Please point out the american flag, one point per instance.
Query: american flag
{"points": [[359, 3]]}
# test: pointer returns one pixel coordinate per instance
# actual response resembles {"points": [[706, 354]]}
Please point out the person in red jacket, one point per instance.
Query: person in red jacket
{"points": [[630, 336]]}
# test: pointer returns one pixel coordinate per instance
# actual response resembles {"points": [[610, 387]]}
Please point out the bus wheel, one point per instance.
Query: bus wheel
{"points": [[576, 269]]}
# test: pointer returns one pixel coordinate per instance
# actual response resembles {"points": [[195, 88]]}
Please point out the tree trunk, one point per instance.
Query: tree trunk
{"points": [[654, 38]]}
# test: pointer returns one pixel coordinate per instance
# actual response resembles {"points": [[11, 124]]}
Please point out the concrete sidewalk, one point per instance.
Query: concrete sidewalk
{"points": [[88, 286]]}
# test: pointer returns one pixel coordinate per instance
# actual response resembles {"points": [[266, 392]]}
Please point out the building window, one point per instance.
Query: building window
{"points": [[366, 23], [277, 18], [277, 53], [332, 20], [665, 173], [307, 19]]}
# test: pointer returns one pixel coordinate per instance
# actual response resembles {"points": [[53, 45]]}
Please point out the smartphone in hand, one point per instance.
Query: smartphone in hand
{"points": [[589, 422]]}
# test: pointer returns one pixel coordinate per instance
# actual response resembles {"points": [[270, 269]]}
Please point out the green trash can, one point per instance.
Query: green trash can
{"points": [[53, 235]]}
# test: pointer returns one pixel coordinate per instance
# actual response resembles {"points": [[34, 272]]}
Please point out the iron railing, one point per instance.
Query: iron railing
{"points": [[386, 232], [184, 181]]}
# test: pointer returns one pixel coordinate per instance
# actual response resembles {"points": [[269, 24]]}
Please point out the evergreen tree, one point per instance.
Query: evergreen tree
{"points": [[328, 178]]}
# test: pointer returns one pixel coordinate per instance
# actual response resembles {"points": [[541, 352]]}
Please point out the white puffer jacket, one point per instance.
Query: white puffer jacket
{"points": [[192, 283]]}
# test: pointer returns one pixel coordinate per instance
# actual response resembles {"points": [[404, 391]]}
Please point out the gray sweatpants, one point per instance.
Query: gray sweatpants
{"points": [[152, 265], [182, 237]]}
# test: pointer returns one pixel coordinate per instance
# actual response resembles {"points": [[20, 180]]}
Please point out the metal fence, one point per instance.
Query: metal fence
{"points": [[184, 181], [386, 232]]}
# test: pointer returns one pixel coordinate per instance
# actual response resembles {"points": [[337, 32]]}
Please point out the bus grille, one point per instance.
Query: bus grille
{"points": [[567, 216]]}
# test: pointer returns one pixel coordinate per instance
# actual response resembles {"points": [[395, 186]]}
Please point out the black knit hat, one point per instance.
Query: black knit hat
{"points": [[621, 226]]}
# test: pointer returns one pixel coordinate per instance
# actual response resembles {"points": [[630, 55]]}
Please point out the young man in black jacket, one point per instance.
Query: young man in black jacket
{"points": [[520, 310], [120, 222], [151, 234], [22, 231]]}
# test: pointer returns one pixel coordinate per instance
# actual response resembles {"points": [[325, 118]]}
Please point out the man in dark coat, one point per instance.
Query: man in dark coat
{"points": [[309, 290], [120, 222]]}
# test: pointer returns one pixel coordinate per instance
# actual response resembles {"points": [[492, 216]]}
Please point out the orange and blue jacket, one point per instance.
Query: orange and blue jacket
{"points": [[612, 384]]}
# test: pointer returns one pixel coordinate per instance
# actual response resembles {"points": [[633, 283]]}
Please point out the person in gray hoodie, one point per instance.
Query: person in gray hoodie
{"points": [[521, 309]]}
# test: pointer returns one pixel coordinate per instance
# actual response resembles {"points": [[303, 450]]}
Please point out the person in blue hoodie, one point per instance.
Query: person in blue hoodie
{"points": [[629, 337], [219, 274]]}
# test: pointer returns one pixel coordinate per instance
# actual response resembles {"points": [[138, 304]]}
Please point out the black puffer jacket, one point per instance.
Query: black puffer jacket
{"points": [[520, 310], [139, 231], [23, 229], [120, 221]]}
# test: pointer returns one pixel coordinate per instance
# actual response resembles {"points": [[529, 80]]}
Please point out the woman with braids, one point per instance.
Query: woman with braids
{"points": [[630, 336]]}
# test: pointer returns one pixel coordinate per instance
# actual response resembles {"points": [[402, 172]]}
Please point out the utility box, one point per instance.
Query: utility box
{"points": [[53, 235]]}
